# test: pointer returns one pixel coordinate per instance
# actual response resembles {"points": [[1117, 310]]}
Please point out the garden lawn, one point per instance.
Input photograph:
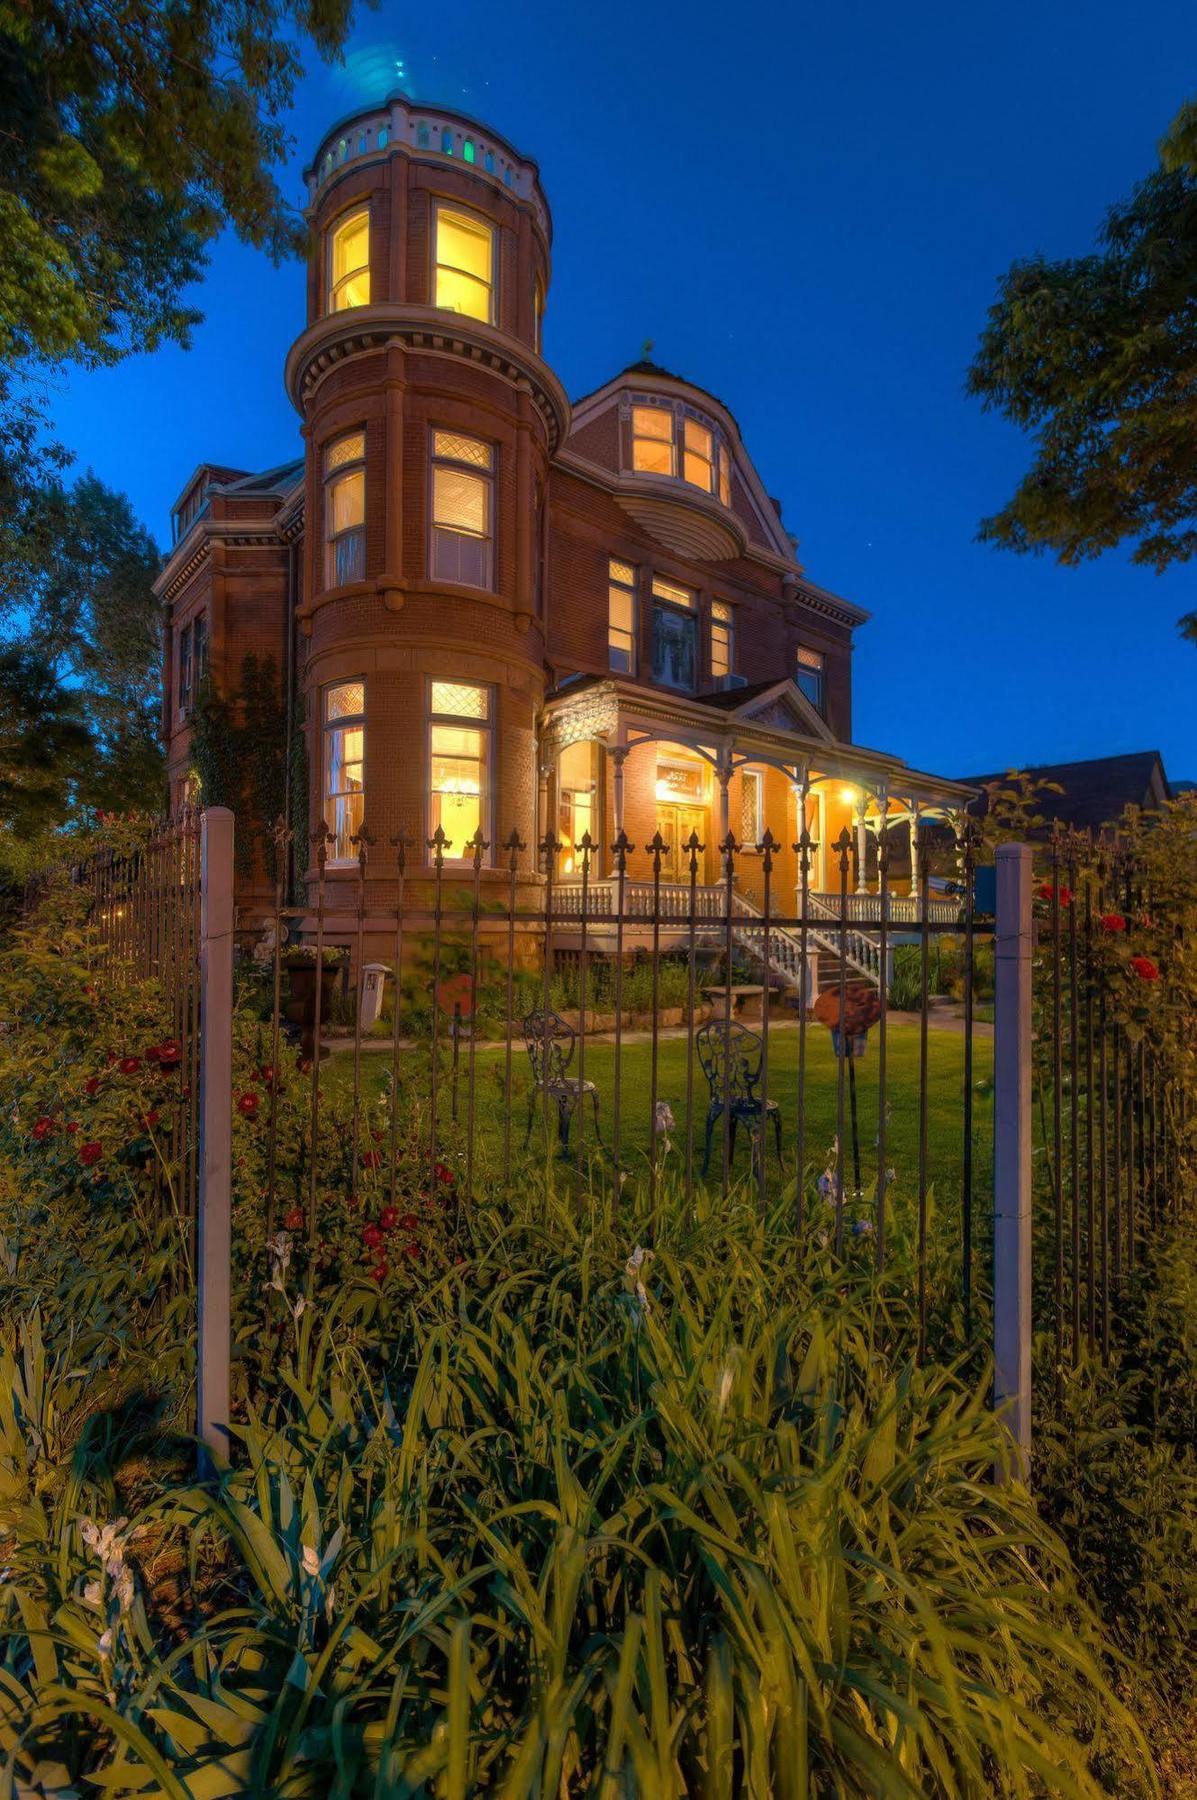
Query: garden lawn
{"points": [[945, 1085]]}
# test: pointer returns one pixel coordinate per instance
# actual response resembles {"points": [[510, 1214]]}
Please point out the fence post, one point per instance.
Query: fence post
{"points": [[215, 1134], [1012, 1154]]}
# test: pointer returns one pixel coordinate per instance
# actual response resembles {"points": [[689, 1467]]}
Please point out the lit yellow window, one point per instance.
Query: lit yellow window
{"points": [[459, 765], [464, 265], [723, 637], [652, 440], [698, 453], [344, 766], [621, 617], [576, 811], [345, 509], [349, 263], [462, 501]]}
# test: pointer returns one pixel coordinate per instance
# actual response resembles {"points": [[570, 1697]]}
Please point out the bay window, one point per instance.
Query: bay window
{"points": [[698, 454], [460, 734], [462, 509], [345, 509], [621, 617], [464, 265], [675, 635], [652, 440], [349, 262], [808, 675], [344, 760], [723, 639]]}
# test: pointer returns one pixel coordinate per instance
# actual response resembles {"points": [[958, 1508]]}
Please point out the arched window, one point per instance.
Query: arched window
{"points": [[490, 162], [447, 141], [343, 149], [349, 262], [361, 144], [467, 150], [423, 138], [384, 137]]}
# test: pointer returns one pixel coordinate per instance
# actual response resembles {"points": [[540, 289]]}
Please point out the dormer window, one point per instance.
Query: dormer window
{"points": [[349, 262], [669, 441], [652, 440], [698, 454], [464, 279]]}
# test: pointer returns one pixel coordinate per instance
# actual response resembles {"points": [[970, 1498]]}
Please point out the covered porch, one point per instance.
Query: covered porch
{"points": [[680, 777]]}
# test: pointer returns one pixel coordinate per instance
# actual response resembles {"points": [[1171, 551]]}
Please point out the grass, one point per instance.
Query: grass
{"points": [[945, 1077]]}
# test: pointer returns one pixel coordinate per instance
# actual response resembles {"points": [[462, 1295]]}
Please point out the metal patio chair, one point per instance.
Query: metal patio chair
{"points": [[730, 1056], [550, 1042]]}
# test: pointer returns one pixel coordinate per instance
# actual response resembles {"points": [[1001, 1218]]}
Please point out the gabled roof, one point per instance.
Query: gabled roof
{"points": [[1096, 791], [778, 703]]}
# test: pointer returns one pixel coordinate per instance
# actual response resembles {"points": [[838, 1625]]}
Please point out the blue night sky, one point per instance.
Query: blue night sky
{"points": [[806, 209]]}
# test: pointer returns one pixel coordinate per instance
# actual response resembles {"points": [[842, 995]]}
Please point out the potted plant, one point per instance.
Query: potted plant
{"points": [[300, 963]]}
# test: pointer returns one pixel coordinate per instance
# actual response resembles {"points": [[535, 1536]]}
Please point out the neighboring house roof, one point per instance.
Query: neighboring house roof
{"points": [[1096, 791], [278, 480]]}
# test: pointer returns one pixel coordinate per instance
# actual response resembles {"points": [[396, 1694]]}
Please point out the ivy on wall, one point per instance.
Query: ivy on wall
{"points": [[239, 755]]}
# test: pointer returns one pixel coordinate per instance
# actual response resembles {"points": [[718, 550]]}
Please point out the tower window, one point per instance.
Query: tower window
{"points": [[652, 440], [808, 675], [621, 617], [462, 509], [724, 475], [345, 509], [349, 262], [465, 248], [459, 761], [723, 639], [344, 765]]}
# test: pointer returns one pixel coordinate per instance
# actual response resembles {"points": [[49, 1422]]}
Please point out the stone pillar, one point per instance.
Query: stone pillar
{"points": [[619, 756]]}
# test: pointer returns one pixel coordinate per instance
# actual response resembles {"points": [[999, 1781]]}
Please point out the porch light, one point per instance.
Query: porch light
{"points": [[849, 796]]}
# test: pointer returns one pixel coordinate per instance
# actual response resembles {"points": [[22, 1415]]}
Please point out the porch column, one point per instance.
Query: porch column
{"points": [[914, 846], [619, 756], [723, 773], [862, 840]]}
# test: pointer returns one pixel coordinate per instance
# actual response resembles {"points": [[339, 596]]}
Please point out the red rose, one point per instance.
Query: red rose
{"points": [[90, 1153], [151, 1118], [1144, 968], [409, 1222], [411, 1250], [73, 1126], [371, 1159], [91, 1084], [445, 1174], [1113, 922], [43, 1128], [248, 1104], [293, 1218], [388, 1218], [371, 1237], [168, 1055], [380, 1270], [1048, 892], [129, 1065], [266, 1074]]}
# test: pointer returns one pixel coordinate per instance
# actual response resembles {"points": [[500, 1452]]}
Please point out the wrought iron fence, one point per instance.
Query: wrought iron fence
{"points": [[478, 955], [143, 908], [1113, 1128]]}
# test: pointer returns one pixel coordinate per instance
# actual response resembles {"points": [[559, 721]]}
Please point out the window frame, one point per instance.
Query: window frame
{"points": [[816, 673], [689, 452], [184, 686], [632, 590], [334, 284], [723, 625], [488, 477], [676, 609], [480, 223], [344, 722], [331, 478], [488, 727], [669, 413]]}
